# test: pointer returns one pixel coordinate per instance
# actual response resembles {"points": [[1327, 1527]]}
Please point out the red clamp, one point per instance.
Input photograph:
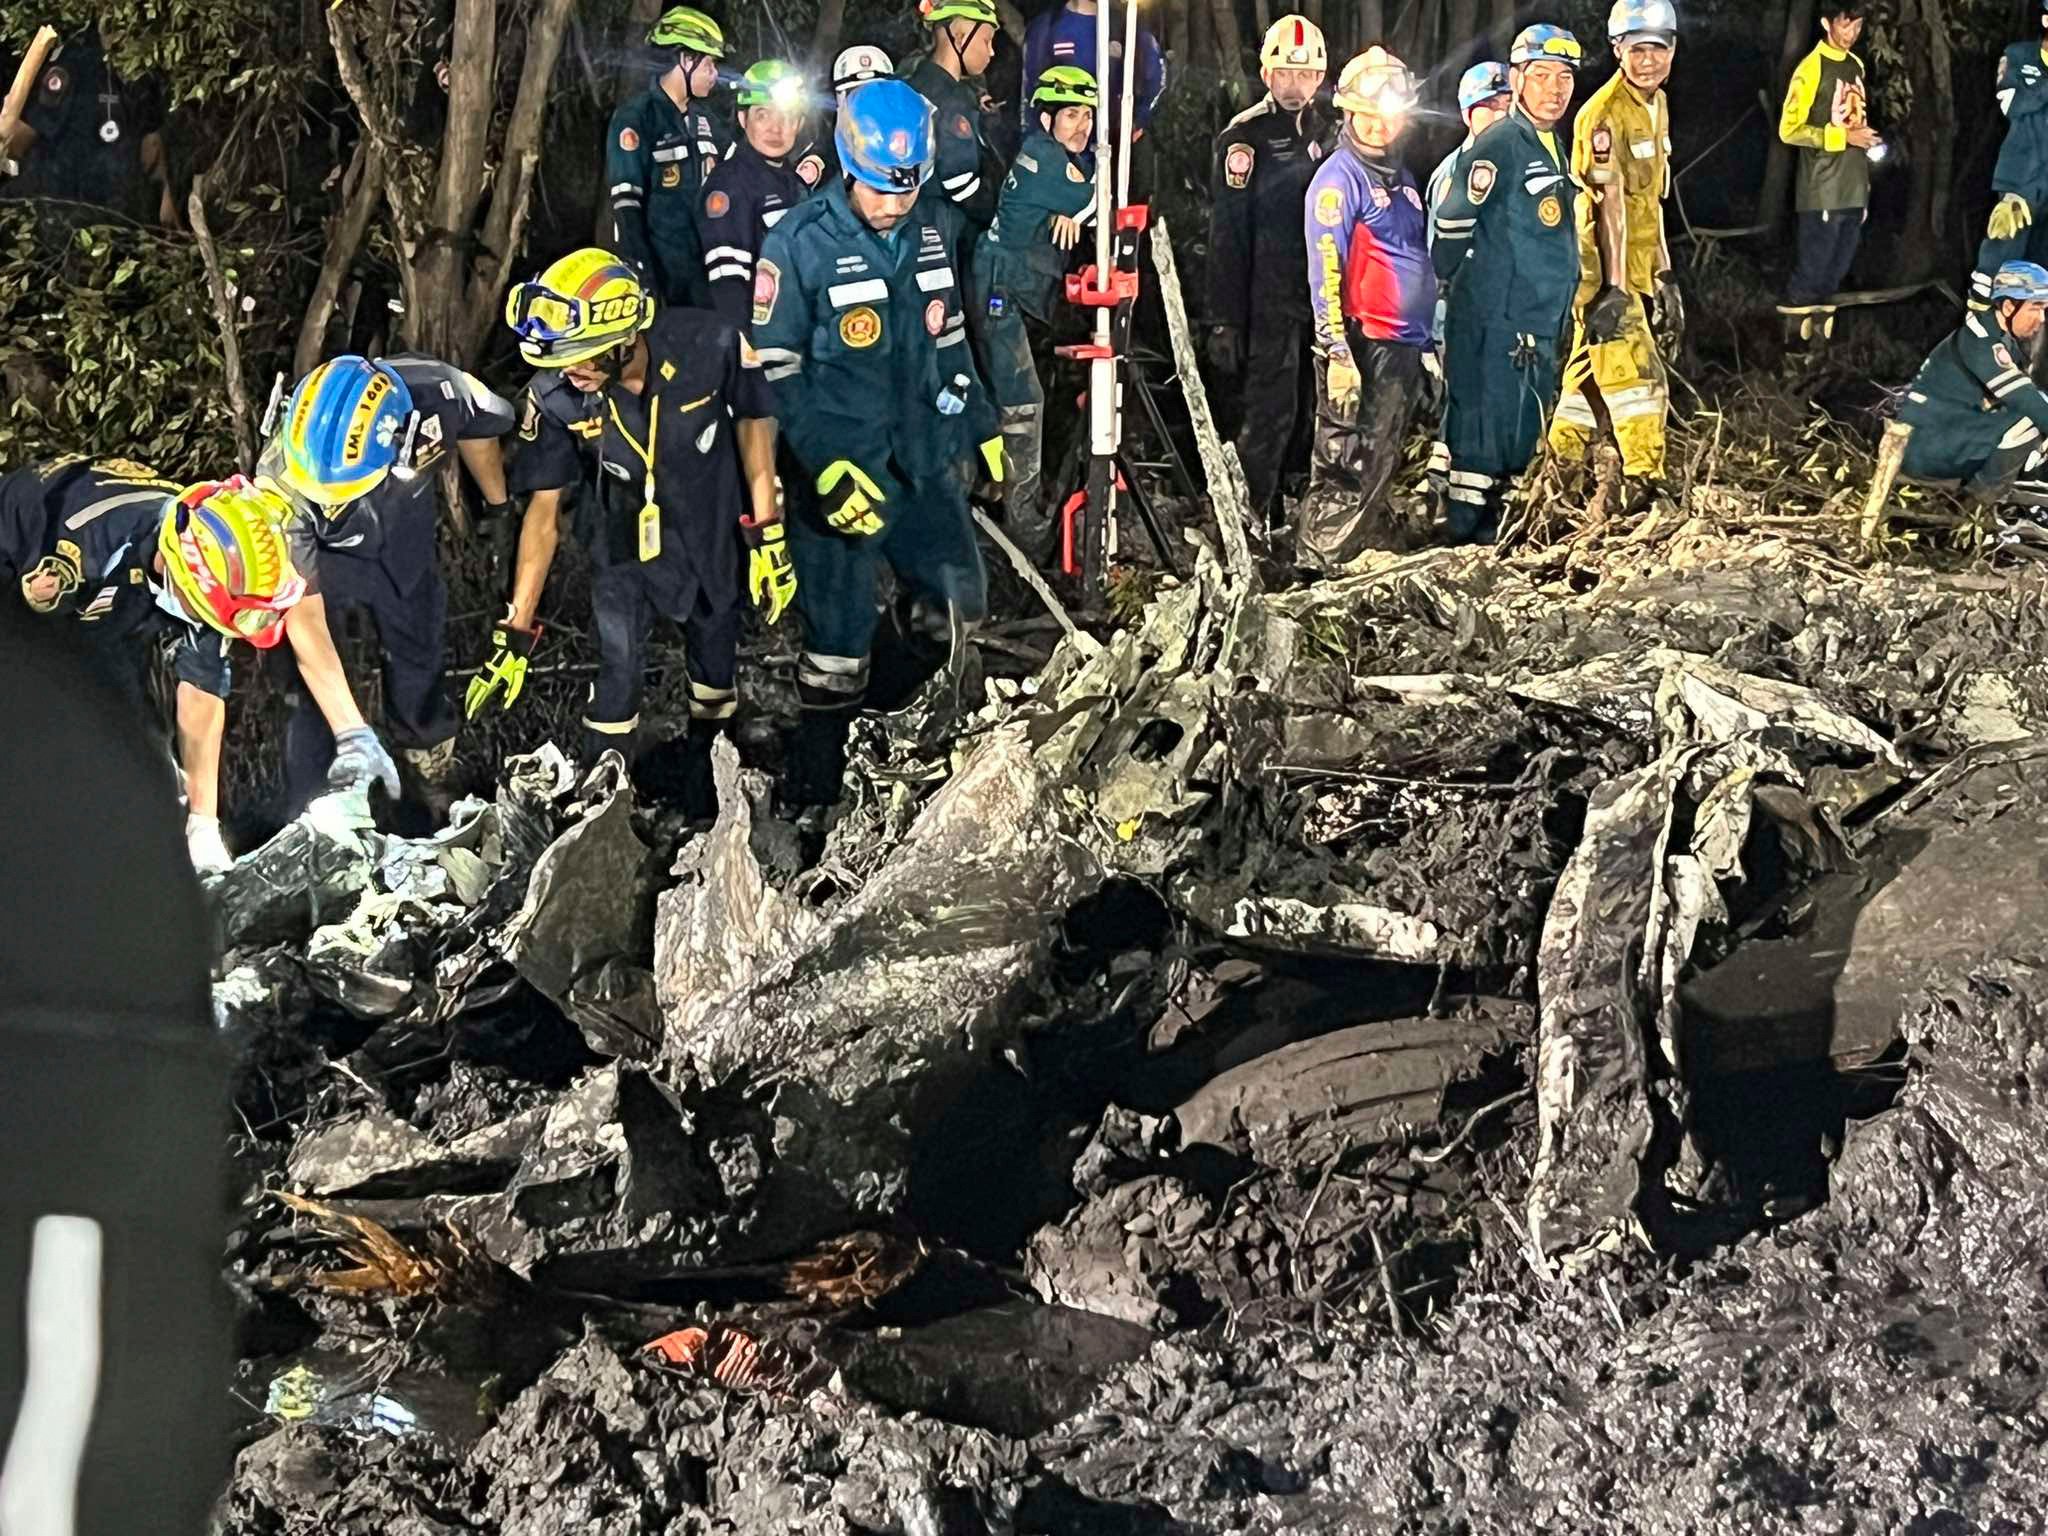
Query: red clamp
{"points": [[1082, 288], [1085, 352], [1070, 513], [1134, 217]]}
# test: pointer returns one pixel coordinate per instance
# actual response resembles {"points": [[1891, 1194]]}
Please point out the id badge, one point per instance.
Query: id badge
{"points": [[650, 532]]}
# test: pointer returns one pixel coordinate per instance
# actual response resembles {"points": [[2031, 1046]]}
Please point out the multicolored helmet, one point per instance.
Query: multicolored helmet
{"points": [[1481, 84], [773, 83], [1377, 83], [1065, 85], [1544, 41], [582, 306], [1643, 21], [341, 430], [2025, 282], [224, 554], [860, 64], [1294, 42], [689, 30], [885, 137]]}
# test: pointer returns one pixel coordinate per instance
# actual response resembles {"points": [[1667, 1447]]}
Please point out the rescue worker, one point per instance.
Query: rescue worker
{"points": [[1628, 300], [857, 314], [2020, 177], [1259, 314], [816, 163], [358, 450], [1827, 118], [753, 187], [948, 75], [1508, 247], [1373, 295], [662, 417], [141, 559], [1066, 35], [88, 136], [663, 147], [1015, 281], [1976, 415]]}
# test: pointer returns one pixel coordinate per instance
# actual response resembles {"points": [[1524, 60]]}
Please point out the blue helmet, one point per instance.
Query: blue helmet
{"points": [[1546, 42], [1482, 82], [2023, 281], [341, 430], [885, 137]]}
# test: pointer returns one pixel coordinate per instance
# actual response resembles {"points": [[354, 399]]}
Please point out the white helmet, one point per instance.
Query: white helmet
{"points": [[1644, 20], [860, 64], [1294, 42]]}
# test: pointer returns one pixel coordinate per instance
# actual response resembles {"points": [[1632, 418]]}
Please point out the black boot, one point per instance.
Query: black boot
{"points": [[677, 772], [817, 758]]}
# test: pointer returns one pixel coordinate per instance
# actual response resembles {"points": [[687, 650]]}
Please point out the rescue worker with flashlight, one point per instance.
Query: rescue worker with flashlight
{"points": [[948, 75], [662, 148], [1373, 296], [817, 164], [2020, 178], [140, 559], [1259, 314], [858, 317], [1628, 307], [753, 187], [358, 452], [663, 417], [1976, 414], [1827, 118], [1508, 247], [1047, 200]]}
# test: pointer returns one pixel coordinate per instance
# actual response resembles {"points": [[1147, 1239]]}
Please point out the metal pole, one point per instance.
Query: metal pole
{"points": [[1102, 372]]}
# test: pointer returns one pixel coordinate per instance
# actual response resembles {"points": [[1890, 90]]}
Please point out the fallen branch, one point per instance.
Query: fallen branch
{"points": [[224, 316], [1024, 568]]}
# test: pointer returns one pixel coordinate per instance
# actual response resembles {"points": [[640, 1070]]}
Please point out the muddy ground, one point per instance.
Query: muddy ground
{"points": [[1478, 1045]]}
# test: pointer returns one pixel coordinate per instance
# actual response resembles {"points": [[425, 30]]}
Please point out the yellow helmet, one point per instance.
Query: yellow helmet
{"points": [[1294, 42], [224, 554], [1376, 83], [581, 307]]}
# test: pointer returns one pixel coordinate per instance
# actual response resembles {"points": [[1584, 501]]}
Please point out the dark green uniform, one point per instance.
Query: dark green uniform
{"points": [[865, 342], [1975, 415], [2022, 162], [968, 172], [1508, 246], [1017, 278], [656, 160]]}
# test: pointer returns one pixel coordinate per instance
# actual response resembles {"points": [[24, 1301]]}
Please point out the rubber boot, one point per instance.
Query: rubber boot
{"points": [[677, 772], [816, 770]]}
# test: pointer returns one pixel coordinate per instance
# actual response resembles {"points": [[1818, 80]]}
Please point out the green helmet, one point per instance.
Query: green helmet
{"points": [[688, 29], [933, 12], [772, 83], [1064, 85]]}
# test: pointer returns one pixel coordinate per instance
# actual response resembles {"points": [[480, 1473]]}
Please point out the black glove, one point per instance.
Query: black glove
{"points": [[1670, 318], [1226, 350], [1608, 315], [1527, 350], [499, 531]]}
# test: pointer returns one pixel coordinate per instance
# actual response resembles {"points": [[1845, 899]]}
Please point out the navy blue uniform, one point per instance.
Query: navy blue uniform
{"points": [[1976, 416], [89, 125], [378, 556], [94, 524], [969, 172], [1508, 246], [744, 198], [1016, 277], [2022, 167], [865, 340], [701, 377], [657, 160]]}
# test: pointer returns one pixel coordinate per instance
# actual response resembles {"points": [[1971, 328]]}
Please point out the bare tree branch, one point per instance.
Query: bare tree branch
{"points": [[362, 192], [230, 340]]}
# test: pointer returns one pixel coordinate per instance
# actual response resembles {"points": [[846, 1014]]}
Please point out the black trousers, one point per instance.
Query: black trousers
{"points": [[1357, 451], [1279, 400], [1827, 247]]}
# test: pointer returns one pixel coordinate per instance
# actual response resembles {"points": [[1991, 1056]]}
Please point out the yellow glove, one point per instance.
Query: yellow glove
{"points": [[511, 647], [2010, 216], [771, 577], [992, 456], [849, 499], [1342, 381]]}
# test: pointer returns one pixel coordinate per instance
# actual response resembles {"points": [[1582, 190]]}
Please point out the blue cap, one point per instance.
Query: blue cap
{"points": [[1482, 82]]}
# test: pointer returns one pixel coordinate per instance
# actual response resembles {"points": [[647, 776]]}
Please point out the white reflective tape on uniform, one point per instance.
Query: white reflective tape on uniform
{"points": [[625, 186], [39, 1479], [1439, 457], [1471, 477], [612, 727], [673, 152], [869, 291], [1976, 327], [832, 674], [2021, 431], [772, 217], [961, 194], [931, 279], [1575, 409], [2010, 382], [954, 183], [1470, 497], [1631, 409], [737, 253], [726, 271], [106, 504], [950, 338]]}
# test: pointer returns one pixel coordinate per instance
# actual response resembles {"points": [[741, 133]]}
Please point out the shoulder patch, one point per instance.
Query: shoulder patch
{"points": [[1330, 207], [1479, 180], [716, 205], [55, 81], [1237, 167], [1603, 144], [767, 286], [962, 128], [810, 169], [529, 415], [2004, 357], [629, 140], [1026, 163]]}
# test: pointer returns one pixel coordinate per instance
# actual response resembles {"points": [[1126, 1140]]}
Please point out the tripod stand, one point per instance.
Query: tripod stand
{"points": [[1145, 374]]}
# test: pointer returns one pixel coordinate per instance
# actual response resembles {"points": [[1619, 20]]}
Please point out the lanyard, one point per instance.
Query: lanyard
{"points": [[650, 513]]}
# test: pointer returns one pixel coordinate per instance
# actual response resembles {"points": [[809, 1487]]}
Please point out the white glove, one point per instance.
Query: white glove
{"points": [[203, 843]]}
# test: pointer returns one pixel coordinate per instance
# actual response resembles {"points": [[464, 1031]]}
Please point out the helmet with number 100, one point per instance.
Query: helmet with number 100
{"points": [[588, 303], [885, 137]]}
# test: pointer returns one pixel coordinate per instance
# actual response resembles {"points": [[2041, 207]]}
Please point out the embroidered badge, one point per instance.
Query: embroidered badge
{"points": [[671, 175], [1237, 167], [962, 129], [1550, 211], [1329, 207], [716, 205], [767, 284], [628, 140], [2004, 357], [809, 169], [1479, 180], [55, 81], [860, 328], [935, 316], [1603, 144]]}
